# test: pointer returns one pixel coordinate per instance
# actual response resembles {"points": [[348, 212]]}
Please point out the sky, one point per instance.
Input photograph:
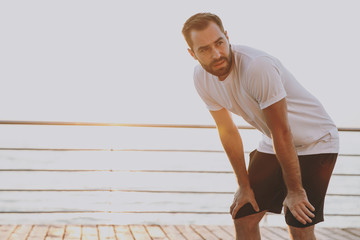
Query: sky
{"points": [[127, 61]]}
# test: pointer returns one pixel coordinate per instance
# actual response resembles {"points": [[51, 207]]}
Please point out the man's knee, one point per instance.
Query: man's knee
{"points": [[302, 233], [249, 222]]}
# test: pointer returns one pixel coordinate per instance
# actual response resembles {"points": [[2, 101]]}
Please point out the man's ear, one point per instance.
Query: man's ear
{"points": [[226, 35], [192, 53]]}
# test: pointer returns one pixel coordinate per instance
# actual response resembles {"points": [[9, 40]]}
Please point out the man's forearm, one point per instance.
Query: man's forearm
{"points": [[233, 147], [287, 156]]}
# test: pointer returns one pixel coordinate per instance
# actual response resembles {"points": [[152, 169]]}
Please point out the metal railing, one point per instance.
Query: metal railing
{"points": [[54, 123]]}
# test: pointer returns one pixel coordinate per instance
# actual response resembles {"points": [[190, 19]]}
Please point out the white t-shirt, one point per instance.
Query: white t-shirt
{"points": [[259, 80]]}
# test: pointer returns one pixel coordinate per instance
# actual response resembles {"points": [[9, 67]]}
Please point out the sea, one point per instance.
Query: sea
{"points": [[141, 175]]}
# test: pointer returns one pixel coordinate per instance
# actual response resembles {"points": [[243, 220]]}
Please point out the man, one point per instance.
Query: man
{"points": [[294, 161]]}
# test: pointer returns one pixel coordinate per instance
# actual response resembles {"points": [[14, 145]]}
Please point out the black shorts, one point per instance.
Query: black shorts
{"points": [[270, 191]]}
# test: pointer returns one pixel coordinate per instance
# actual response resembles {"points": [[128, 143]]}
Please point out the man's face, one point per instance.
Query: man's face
{"points": [[212, 49]]}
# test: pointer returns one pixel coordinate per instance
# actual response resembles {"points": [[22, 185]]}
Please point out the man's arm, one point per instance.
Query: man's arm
{"points": [[296, 199], [233, 146]]}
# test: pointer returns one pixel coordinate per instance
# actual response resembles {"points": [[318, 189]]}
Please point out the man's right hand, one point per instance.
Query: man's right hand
{"points": [[241, 197]]}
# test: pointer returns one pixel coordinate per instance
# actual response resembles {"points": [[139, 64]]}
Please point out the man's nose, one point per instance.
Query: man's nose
{"points": [[216, 53]]}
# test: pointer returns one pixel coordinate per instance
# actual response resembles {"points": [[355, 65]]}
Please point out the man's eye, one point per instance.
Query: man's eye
{"points": [[219, 43], [203, 50]]}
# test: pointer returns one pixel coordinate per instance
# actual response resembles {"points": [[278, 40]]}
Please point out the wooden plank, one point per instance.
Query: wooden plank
{"points": [[323, 233], [265, 237], [21, 232], [204, 232], [38, 232], [72, 232], [156, 232], [6, 231], [106, 232], [89, 232], [139, 232], [123, 233], [354, 231], [55, 233], [219, 232], [282, 231], [188, 232], [266, 233], [343, 234], [172, 232], [320, 236], [278, 232], [229, 229]]}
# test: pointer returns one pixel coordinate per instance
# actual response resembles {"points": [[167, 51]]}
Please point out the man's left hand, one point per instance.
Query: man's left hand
{"points": [[299, 206]]}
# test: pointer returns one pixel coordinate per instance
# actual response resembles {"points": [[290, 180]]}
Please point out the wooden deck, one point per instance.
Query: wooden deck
{"points": [[149, 232]]}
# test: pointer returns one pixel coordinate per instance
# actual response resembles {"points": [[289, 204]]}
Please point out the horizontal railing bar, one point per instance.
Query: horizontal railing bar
{"points": [[58, 123], [144, 212], [114, 170], [144, 171], [325, 214], [7, 122], [342, 195], [133, 150], [166, 212], [348, 155], [110, 190], [143, 191], [110, 149]]}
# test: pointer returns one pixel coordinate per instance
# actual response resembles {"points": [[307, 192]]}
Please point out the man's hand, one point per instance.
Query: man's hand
{"points": [[241, 197], [299, 206]]}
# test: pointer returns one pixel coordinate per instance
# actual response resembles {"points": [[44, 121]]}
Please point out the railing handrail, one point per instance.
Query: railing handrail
{"points": [[149, 125], [61, 123]]}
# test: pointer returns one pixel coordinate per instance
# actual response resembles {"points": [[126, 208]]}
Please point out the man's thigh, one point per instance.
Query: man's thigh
{"points": [[316, 171], [267, 183]]}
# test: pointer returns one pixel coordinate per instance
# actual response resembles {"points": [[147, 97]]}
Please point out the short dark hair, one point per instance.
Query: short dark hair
{"points": [[199, 21]]}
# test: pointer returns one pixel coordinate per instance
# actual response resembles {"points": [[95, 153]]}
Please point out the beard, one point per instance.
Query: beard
{"points": [[219, 71]]}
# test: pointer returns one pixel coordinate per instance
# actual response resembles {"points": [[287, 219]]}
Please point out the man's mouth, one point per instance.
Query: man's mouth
{"points": [[219, 63]]}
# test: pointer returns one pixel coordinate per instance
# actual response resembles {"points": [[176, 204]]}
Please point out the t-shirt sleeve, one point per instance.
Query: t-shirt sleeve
{"points": [[210, 103], [264, 82]]}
